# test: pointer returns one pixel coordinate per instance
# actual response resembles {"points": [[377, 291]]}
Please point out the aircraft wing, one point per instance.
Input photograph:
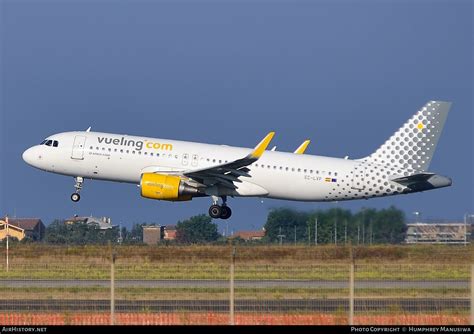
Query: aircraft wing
{"points": [[228, 173]]}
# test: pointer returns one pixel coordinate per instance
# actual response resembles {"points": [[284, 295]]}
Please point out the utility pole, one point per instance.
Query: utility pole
{"points": [[232, 295], [316, 231], [358, 233], [465, 226], [363, 233], [8, 232], [370, 231], [345, 231], [281, 236], [295, 234], [112, 286], [309, 234]]}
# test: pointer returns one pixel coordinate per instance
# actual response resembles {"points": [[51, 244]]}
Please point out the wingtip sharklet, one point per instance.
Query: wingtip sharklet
{"points": [[302, 148], [262, 146]]}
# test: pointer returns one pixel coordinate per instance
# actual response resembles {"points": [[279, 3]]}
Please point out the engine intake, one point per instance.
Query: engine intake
{"points": [[166, 187]]}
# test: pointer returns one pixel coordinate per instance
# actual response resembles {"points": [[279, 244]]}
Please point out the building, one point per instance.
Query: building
{"points": [[32, 228], [170, 232], [438, 233], [103, 223], [153, 234], [249, 235]]}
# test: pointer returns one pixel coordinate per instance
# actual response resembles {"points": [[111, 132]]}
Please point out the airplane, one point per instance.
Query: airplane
{"points": [[173, 170]]}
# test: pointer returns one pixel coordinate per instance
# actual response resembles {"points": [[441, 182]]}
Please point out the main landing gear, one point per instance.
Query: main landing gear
{"points": [[220, 211], [75, 197]]}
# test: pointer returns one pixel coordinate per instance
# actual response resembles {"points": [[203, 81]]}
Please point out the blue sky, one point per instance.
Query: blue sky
{"points": [[346, 74]]}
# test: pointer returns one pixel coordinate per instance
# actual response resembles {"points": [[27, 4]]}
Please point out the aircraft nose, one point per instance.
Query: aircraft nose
{"points": [[28, 156]]}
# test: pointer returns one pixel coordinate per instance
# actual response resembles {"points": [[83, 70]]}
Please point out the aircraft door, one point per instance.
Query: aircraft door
{"points": [[358, 177], [78, 148]]}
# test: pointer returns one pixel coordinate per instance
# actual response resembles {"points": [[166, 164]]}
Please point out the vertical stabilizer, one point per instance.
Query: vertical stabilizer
{"points": [[413, 145]]}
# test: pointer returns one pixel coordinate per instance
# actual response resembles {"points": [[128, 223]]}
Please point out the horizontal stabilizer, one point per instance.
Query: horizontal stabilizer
{"points": [[407, 180], [423, 181]]}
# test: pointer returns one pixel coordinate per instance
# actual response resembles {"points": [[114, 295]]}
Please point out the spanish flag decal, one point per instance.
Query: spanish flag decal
{"points": [[328, 179]]}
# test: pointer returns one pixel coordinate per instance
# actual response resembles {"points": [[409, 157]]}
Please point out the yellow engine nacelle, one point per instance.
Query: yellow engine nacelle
{"points": [[166, 187]]}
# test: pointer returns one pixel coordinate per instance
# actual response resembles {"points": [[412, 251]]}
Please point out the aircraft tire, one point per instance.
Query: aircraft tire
{"points": [[215, 211], [75, 197], [226, 212]]}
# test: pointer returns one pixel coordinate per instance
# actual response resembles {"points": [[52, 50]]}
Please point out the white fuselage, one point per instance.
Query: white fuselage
{"points": [[280, 175]]}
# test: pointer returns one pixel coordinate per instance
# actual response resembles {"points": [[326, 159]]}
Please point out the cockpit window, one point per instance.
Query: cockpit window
{"points": [[49, 142]]}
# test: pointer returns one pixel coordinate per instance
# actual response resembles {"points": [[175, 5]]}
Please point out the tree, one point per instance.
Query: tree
{"points": [[368, 226], [286, 221], [79, 233], [197, 229], [135, 236]]}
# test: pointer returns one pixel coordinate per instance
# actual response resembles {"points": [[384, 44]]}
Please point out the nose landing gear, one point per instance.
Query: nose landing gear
{"points": [[75, 197], [220, 211]]}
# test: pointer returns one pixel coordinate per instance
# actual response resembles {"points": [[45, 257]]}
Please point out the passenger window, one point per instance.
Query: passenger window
{"points": [[292, 169], [305, 170], [329, 173]]}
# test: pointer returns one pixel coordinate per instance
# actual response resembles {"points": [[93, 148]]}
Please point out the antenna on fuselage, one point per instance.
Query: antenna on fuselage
{"points": [[88, 129]]}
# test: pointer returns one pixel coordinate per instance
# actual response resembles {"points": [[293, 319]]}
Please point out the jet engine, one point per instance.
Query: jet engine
{"points": [[166, 187]]}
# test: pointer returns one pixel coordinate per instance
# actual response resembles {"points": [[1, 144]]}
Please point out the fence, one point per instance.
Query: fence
{"points": [[232, 289]]}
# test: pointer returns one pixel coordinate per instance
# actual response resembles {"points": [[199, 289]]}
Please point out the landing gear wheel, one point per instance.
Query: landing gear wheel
{"points": [[215, 211], [226, 212], [75, 197]]}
